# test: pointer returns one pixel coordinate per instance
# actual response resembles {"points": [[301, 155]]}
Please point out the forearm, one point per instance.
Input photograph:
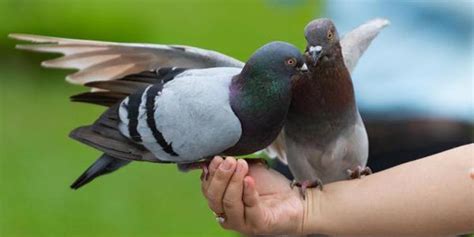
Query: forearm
{"points": [[430, 196]]}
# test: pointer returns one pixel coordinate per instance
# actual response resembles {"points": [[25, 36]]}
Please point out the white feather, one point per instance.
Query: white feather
{"points": [[356, 42], [123, 115]]}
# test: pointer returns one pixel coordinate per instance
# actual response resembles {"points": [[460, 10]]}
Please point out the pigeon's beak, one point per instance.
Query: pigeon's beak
{"points": [[315, 52], [304, 68]]}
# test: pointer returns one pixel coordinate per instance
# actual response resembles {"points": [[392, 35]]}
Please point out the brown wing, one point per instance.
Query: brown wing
{"points": [[100, 61]]}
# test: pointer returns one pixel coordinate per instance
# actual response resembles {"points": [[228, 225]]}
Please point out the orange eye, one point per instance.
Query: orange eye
{"points": [[291, 61], [330, 34]]}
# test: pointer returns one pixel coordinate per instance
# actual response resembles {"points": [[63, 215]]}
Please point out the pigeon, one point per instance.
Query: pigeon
{"points": [[184, 116], [353, 45], [324, 135], [108, 61], [324, 139]]}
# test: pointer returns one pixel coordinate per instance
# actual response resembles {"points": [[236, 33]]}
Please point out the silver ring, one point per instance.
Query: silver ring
{"points": [[220, 218]]}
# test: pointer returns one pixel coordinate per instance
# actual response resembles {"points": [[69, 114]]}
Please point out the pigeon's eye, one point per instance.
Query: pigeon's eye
{"points": [[330, 35], [291, 62]]}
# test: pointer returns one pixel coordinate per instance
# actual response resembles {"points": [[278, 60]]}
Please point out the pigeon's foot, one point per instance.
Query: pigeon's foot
{"points": [[203, 165], [358, 172], [303, 186]]}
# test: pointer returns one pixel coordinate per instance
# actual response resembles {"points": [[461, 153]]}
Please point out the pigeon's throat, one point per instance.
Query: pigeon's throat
{"points": [[326, 91], [260, 93], [261, 106]]}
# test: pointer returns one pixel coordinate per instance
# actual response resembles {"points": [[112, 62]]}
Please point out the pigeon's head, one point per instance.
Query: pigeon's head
{"points": [[277, 57], [322, 38]]}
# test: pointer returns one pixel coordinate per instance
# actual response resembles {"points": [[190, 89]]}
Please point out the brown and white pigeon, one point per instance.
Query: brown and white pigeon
{"points": [[325, 138]]}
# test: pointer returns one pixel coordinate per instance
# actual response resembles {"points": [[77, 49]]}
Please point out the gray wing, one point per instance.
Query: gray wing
{"points": [[356, 42], [353, 44], [100, 61], [191, 114]]}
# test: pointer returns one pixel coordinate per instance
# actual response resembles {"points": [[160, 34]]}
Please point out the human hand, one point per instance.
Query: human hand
{"points": [[253, 200]]}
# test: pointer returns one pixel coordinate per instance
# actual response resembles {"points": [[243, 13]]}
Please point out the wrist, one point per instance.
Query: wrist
{"points": [[312, 215]]}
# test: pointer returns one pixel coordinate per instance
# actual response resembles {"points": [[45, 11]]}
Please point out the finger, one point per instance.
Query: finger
{"points": [[212, 170], [218, 185], [232, 202], [253, 212]]}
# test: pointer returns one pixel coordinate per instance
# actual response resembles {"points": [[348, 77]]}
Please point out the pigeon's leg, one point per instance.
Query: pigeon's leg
{"points": [[204, 165], [205, 170], [367, 171], [358, 172], [303, 186]]}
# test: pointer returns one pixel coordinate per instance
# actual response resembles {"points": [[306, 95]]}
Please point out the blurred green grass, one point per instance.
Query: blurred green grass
{"points": [[37, 159]]}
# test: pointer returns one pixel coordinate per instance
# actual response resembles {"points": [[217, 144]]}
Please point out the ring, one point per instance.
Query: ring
{"points": [[220, 218]]}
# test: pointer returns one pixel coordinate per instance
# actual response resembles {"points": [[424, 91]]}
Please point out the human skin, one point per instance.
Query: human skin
{"points": [[432, 196]]}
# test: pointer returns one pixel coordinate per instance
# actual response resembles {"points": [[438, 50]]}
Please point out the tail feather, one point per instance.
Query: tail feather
{"points": [[121, 149], [104, 165]]}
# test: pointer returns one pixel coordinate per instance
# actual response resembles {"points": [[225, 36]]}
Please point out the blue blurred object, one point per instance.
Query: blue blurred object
{"points": [[421, 65]]}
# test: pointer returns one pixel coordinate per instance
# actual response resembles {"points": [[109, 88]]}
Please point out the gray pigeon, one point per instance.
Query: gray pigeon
{"points": [[186, 116]]}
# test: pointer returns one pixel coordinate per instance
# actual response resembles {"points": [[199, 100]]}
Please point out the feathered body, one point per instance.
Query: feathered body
{"points": [[324, 133], [185, 116], [176, 120], [180, 115]]}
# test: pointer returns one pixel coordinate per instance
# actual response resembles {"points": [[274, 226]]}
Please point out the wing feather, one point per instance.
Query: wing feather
{"points": [[355, 43], [79, 61], [100, 61]]}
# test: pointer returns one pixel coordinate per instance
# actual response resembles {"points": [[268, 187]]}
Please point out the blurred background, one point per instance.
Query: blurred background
{"points": [[414, 87]]}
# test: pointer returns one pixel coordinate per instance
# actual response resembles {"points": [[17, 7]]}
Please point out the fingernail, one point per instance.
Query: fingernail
{"points": [[240, 166], [227, 164]]}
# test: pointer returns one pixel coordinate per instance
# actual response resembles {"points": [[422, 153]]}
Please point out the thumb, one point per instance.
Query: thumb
{"points": [[250, 192], [253, 210]]}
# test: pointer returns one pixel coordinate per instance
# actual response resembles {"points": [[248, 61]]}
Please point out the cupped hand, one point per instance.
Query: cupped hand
{"points": [[252, 199]]}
